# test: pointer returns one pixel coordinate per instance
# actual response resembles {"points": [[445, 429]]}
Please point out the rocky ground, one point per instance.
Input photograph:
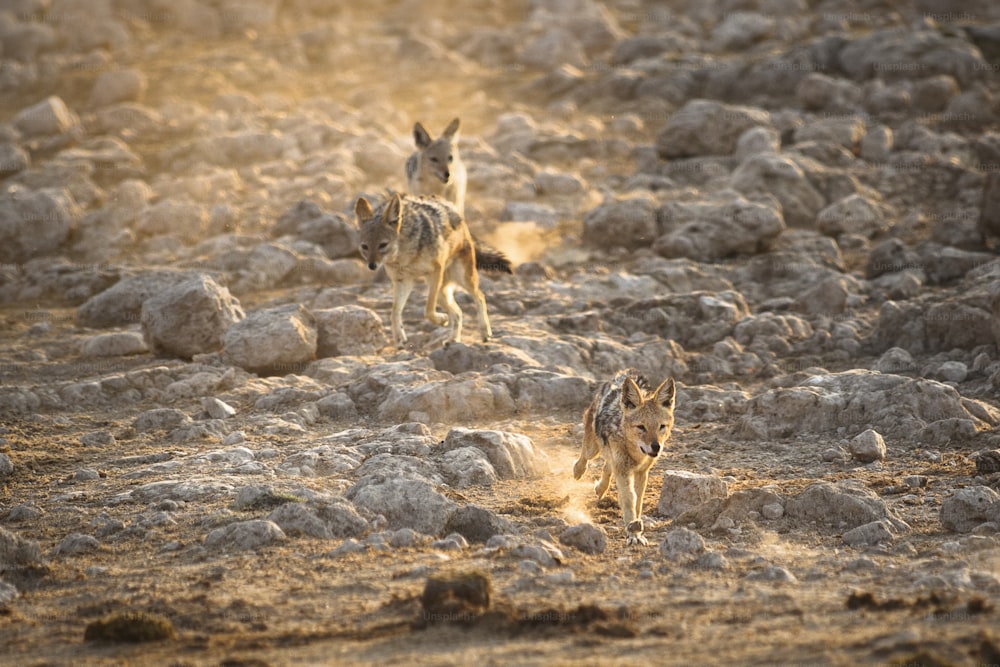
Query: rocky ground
{"points": [[211, 454]]}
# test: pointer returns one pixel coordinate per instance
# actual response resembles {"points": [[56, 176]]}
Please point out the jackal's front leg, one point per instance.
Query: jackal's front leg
{"points": [[590, 447], [627, 502], [402, 291], [435, 282]]}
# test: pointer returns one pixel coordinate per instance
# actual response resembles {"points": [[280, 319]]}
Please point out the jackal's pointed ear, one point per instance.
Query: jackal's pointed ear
{"points": [[666, 393], [421, 137], [363, 209], [393, 215], [452, 130], [631, 394]]}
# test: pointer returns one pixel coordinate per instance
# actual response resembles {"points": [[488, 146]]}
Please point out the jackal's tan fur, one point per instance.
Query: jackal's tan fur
{"points": [[436, 168], [628, 425], [426, 238]]}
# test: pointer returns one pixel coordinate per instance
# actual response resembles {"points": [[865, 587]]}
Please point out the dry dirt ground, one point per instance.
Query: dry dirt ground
{"points": [[292, 605], [296, 605]]}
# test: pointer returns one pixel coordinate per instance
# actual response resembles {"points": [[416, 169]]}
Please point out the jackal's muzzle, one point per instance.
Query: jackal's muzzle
{"points": [[652, 450]]}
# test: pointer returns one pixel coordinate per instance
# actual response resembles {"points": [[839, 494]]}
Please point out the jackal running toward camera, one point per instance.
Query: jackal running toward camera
{"points": [[426, 237], [436, 168], [628, 425]]}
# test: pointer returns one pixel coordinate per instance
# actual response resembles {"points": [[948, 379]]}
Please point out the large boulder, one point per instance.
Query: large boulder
{"points": [[331, 231], [781, 177], [707, 127], [275, 341], [24, 40], [467, 466], [923, 325], [551, 49], [120, 85], [50, 116], [740, 507], [848, 402], [512, 455], [740, 30], [629, 223], [245, 536], [17, 552], [536, 390], [180, 218], [844, 505], [348, 330], [709, 231], [693, 319], [907, 54], [967, 508], [189, 318], [13, 159], [890, 256], [118, 344], [683, 490], [844, 131], [457, 358], [851, 215], [35, 223], [405, 503], [447, 401], [321, 519], [121, 304]]}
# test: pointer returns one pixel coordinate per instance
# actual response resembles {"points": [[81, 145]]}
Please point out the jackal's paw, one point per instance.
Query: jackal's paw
{"points": [[579, 468], [438, 318], [635, 536], [636, 540]]}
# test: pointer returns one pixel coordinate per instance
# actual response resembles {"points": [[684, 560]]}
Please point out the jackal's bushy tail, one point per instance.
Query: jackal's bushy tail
{"points": [[491, 260]]}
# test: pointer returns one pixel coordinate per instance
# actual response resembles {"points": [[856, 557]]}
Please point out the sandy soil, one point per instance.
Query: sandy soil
{"points": [[297, 605]]}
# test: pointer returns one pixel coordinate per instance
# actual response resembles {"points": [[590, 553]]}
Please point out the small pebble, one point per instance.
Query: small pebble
{"points": [[97, 439], [404, 538], [561, 578], [833, 455], [234, 438], [24, 512], [712, 560], [772, 573], [529, 567], [772, 511], [350, 546], [86, 475]]}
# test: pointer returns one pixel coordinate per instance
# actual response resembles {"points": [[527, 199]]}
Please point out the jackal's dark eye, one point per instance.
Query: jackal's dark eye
{"points": [[364, 247], [433, 159], [383, 245], [450, 158], [641, 428], [663, 427]]}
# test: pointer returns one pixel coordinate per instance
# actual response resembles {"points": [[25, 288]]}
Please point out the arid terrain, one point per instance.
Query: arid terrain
{"points": [[212, 454]]}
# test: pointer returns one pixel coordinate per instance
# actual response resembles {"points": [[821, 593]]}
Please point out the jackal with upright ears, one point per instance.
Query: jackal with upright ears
{"points": [[419, 238], [628, 425], [436, 167]]}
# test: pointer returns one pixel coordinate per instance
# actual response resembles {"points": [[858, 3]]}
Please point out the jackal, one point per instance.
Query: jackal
{"points": [[436, 168], [426, 237], [628, 425]]}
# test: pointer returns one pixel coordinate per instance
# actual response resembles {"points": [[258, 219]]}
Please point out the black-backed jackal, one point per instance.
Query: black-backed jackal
{"points": [[426, 238], [436, 167], [628, 425]]}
